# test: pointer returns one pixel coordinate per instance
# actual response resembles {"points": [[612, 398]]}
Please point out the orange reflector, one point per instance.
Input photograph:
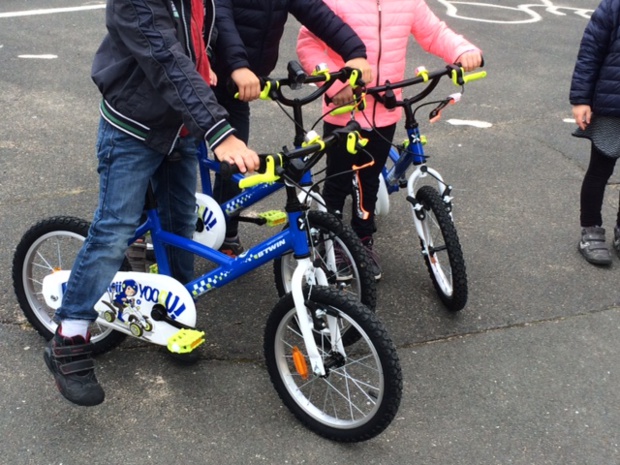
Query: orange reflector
{"points": [[300, 363]]}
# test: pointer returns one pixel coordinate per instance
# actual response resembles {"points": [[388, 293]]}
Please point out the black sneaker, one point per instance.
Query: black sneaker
{"points": [[232, 247], [69, 360], [374, 257]]}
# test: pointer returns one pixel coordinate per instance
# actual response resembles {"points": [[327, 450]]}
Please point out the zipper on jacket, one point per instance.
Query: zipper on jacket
{"points": [[186, 25], [378, 82]]}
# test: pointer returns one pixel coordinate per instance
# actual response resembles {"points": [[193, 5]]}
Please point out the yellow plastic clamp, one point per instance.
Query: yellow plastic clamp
{"points": [[322, 70], [421, 71], [314, 138], [185, 341], [274, 217]]}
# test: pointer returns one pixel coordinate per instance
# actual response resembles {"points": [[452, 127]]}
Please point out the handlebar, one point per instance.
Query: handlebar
{"points": [[385, 93], [271, 89], [282, 165]]}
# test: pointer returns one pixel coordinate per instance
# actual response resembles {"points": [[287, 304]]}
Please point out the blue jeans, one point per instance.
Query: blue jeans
{"points": [[126, 166]]}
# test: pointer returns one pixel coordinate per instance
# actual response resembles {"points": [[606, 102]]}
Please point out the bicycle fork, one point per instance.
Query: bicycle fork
{"points": [[305, 272], [444, 191]]}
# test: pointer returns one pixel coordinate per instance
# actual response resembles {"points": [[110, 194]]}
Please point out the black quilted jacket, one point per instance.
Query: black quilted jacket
{"points": [[249, 33], [596, 79]]}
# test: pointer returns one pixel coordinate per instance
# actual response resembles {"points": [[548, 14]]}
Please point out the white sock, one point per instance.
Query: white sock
{"points": [[70, 328]]}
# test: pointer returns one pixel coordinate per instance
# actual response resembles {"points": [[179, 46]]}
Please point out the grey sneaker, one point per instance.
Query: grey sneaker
{"points": [[617, 240], [592, 246], [374, 257]]}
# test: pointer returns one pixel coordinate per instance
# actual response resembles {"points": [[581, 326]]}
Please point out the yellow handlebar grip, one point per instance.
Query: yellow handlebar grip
{"points": [[465, 78], [475, 76], [343, 110], [268, 177]]}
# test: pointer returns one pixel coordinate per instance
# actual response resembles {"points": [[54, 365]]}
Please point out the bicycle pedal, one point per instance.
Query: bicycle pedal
{"points": [[274, 217], [185, 341]]}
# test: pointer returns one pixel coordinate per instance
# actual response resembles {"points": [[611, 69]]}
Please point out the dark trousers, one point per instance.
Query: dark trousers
{"points": [[239, 118], [595, 180], [363, 184]]}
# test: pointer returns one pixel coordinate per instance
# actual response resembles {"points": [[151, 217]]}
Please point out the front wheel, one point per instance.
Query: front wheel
{"points": [[442, 250], [360, 394], [339, 252], [48, 246]]}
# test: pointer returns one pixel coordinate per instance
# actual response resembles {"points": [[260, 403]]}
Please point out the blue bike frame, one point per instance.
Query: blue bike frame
{"points": [[290, 239]]}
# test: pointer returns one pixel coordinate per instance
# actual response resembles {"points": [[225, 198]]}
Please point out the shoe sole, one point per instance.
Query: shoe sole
{"points": [[594, 261]]}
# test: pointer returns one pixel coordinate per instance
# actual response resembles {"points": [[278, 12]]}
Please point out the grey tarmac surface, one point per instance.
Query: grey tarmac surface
{"points": [[527, 373]]}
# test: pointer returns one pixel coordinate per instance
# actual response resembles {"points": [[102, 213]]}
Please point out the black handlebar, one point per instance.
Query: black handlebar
{"points": [[227, 170]]}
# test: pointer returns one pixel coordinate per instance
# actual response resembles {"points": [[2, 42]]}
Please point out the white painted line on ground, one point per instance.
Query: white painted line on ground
{"points": [[40, 57], [468, 122], [50, 11]]}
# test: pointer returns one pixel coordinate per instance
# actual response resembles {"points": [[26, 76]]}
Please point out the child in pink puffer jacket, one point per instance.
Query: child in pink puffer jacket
{"points": [[384, 26]]}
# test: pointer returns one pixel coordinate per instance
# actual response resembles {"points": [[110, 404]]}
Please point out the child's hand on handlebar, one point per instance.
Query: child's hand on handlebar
{"points": [[363, 65], [470, 60], [235, 152], [248, 84], [344, 97]]}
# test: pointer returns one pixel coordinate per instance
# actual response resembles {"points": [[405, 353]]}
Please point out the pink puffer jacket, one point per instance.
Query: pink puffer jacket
{"points": [[384, 26]]}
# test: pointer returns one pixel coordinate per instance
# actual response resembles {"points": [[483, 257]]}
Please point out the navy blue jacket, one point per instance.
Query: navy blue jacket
{"points": [[249, 33], [596, 78], [145, 70]]}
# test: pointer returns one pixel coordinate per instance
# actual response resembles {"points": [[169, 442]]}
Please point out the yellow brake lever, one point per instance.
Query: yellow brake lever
{"points": [[355, 141], [268, 177]]}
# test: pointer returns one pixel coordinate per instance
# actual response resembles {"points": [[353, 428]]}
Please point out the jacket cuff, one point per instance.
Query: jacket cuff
{"points": [[219, 132]]}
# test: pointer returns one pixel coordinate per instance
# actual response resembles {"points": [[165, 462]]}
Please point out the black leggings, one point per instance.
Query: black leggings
{"points": [[364, 185], [593, 188]]}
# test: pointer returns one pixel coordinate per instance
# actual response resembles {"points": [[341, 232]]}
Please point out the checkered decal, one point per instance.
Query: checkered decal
{"points": [[208, 284]]}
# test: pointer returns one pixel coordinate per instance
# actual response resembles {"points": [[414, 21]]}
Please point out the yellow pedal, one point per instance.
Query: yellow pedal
{"points": [[274, 217], [185, 341]]}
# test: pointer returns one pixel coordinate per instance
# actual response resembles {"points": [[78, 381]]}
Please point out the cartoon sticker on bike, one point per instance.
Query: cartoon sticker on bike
{"points": [[125, 307]]}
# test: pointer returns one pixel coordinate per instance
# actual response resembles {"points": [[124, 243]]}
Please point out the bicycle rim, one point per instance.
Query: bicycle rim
{"points": [[49, 252], [359, 395]]}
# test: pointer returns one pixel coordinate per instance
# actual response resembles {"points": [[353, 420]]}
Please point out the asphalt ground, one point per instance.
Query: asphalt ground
{"points": [[525, 374]]}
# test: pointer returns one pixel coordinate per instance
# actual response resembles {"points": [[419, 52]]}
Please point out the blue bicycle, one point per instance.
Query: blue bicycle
{"points": [[338, 250], [328, 356], [431, 206]]}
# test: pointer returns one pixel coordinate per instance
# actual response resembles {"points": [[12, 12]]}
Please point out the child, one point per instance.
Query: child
{"points": [[247, 43], [384, 26], [595, 97]]}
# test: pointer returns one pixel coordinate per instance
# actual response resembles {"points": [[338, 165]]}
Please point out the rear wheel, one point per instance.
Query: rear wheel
{"points": [[442, 250], [48, 246], [360, 393]]}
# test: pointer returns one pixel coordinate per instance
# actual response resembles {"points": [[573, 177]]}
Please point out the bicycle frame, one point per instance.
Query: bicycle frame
{"points": [[292, 239]]}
